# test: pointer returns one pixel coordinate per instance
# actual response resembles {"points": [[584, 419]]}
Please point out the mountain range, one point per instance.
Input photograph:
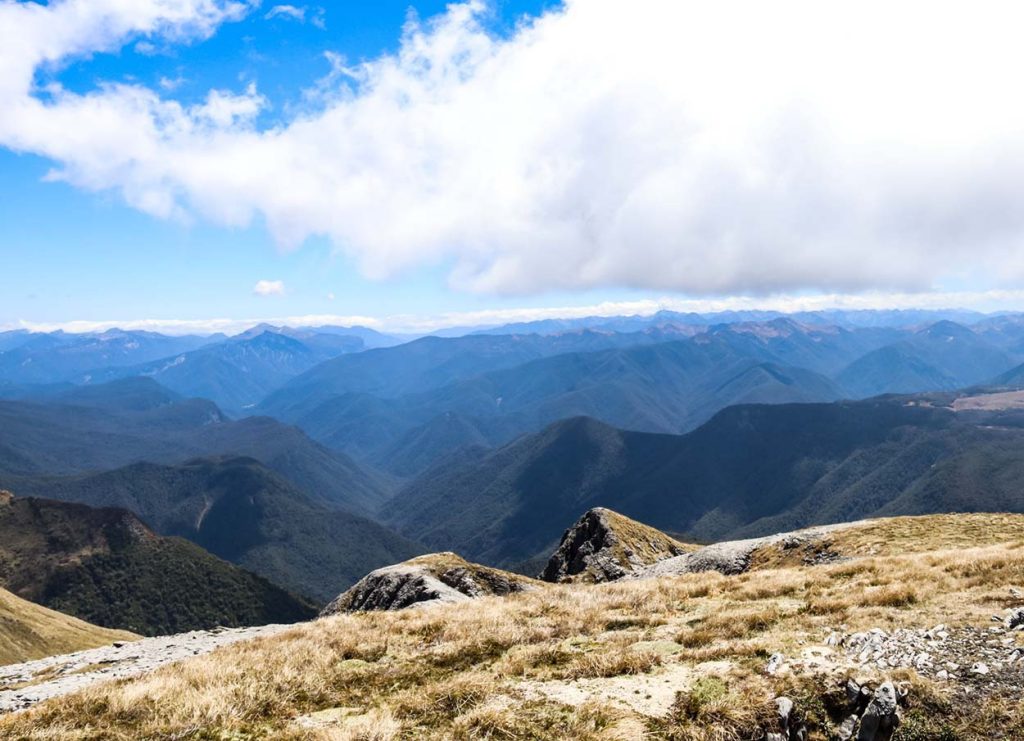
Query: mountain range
{"points": [[403, 408], [95, 428], [352, 459], [750, 470], [234, 372]]}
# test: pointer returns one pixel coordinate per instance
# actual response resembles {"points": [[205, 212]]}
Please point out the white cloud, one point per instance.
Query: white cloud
{"points": [[733, 147], [287, 11], [169, 84], [268, 288], [316, 16]]}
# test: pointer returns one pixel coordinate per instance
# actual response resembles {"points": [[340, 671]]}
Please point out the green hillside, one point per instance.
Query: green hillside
{"points": [[751, 470], [241, 511], [104, 566]]}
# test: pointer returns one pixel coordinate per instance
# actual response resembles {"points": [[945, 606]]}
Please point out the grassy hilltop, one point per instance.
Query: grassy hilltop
{"points": [[679, 657]]}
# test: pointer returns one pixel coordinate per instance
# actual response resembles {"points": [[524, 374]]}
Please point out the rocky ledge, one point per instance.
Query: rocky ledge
{"points": [[810, 548]]}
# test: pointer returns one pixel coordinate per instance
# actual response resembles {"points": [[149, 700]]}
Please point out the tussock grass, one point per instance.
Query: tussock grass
{"points": [[457, 671], [29, 631]]}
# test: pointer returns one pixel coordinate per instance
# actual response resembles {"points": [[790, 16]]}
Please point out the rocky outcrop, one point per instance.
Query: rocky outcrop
{"points": [[438, 578], [867, 715], [604, 546], [803, 547]]}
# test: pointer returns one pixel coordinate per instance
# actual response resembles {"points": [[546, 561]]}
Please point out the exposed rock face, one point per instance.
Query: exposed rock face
{"points": [[437, 578], [604, 546]]}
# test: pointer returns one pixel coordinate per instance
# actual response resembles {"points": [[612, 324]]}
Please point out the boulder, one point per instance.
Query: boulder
{"points": [[789, 725], [874, 715], [435, 579], [604, 546]]}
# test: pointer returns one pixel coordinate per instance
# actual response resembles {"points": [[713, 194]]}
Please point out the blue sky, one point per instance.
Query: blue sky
{"points": [[74, 255], [502, 160]]}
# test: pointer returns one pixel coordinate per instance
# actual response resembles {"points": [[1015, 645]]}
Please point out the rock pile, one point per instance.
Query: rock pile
{"points": [[989, 661]]}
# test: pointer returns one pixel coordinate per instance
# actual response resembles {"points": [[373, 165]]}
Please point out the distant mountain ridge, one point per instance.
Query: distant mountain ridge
{"points": [[235, 372], [131, 420], [388, 407]]}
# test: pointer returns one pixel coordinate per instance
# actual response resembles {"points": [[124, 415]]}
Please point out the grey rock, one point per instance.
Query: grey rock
{"points": [[789, 726], [604, 546], [441, 578], [733, 557], [881, 718]]}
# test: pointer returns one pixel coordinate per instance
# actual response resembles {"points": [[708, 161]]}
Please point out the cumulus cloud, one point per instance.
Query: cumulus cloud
{"points": [[711, 148], [268, 288]]}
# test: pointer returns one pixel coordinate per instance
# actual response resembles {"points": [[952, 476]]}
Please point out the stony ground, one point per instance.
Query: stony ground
{"points": [[24, 685]]}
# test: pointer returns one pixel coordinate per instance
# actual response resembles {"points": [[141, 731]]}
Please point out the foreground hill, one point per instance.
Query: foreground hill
{"points": [[106, 567], [751, 470], [239, 510], [29, 631], [696, 656]]}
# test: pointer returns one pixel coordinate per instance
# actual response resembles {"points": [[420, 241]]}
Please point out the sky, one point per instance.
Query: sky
{"points": [[185, 163]]}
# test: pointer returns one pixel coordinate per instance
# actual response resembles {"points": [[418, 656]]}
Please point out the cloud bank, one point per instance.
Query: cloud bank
{"points": [[709, 148], [988, 301]]}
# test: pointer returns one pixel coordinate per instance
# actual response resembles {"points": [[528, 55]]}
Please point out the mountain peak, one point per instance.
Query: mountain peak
{"points": [[946, 329], [604, 545]]}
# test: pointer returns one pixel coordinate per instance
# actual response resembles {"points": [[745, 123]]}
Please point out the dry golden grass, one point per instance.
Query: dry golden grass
{"points": [[29, 631], [459, 671]]}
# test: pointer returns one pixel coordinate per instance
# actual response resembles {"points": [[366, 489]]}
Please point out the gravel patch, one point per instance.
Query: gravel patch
{"points": [[24, 685]]}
